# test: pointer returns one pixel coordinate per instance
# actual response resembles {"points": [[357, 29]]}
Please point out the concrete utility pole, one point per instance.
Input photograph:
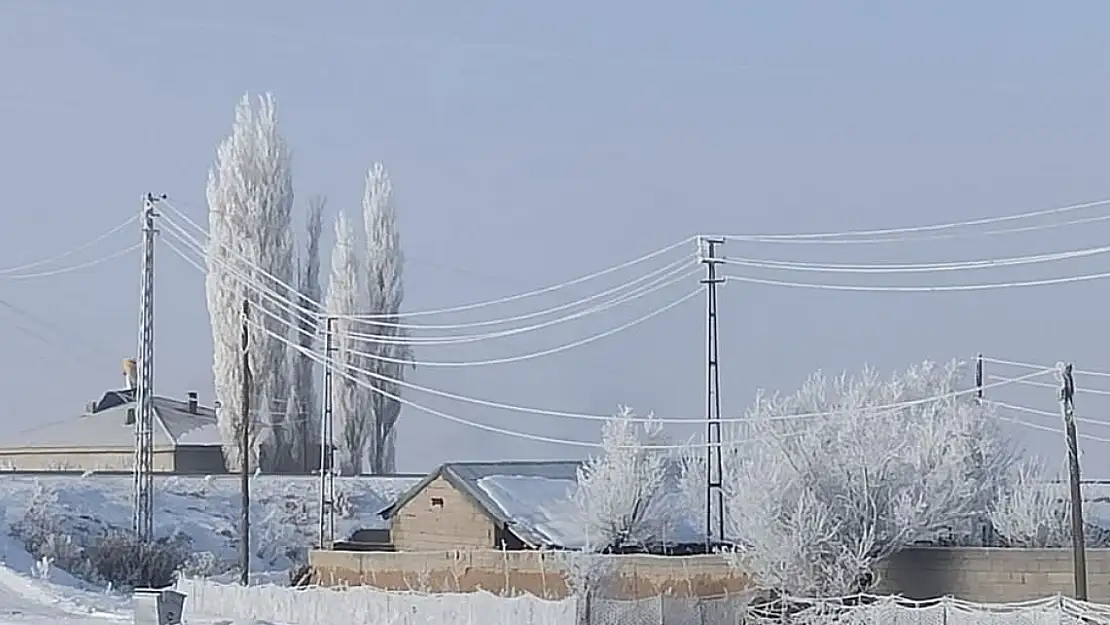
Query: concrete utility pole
{"points": [[143, 467], [327, 449], [244, 453], [714, 496], [1079, 549]]}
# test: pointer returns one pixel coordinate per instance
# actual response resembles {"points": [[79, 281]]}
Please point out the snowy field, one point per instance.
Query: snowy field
{"points": [[284, 512]]}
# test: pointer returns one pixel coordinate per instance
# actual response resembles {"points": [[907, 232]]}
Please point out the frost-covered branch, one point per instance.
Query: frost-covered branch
{"points": [[621, 495]]}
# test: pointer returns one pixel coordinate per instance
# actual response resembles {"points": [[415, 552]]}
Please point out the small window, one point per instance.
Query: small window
{"points": [[437, 502]]}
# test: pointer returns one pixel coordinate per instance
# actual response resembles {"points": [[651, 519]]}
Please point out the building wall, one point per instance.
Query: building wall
{"points": [[541, 573], [189, 460], [79, 460], [200, 460], [451, 521], [993, 575]]}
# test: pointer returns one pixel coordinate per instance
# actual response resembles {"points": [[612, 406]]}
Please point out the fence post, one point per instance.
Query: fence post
{"points": [[662, 609]]}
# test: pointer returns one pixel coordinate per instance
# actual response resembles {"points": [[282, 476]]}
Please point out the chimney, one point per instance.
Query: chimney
{"points": [[129, 372], [192, 395]]}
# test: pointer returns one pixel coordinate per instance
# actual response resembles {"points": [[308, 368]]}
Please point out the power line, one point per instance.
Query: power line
{"points": [[914, 267], [675, 274], [80, 248], [350, 369], [910, 229], [61, 270], [946, 236], [920, 289], [477, 305]]}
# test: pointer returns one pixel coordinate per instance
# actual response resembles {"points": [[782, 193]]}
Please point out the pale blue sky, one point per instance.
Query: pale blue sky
{"points": [[530, 143]]}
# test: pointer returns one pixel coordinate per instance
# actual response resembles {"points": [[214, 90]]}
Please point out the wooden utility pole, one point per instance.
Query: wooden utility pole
{"points": [[244, 452], [1079, 550]]}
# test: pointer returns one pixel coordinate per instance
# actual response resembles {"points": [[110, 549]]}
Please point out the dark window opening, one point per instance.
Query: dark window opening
{"points": [[437, 502]]}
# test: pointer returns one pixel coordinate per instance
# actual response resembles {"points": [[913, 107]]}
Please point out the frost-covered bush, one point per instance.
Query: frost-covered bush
{"points": [[121, 558], [87, 548], [621, 492], [822, 484], [1035, 511]]}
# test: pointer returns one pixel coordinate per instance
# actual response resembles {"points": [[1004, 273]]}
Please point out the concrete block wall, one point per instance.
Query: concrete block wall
{"points": [[992, 575], [986, 575], [541, 573]]}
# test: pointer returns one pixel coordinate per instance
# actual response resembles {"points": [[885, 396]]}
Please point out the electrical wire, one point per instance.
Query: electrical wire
{"points": [[345, 372], [538, 354], [71, 268], [919, 289], [1092, 391], [502, 300], [664, 281], [72, 251], [1045, 428], [347, 369], [668, 271], [1014, 363], [911, 229], [913, 267], [948, 236]]}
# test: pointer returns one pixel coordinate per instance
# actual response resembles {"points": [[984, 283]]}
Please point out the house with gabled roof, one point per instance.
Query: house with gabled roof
{"points": [[186, 439], [498, 505]]}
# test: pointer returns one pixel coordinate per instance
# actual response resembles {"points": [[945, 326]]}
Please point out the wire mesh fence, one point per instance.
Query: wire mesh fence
{"points": [[858, 610]]}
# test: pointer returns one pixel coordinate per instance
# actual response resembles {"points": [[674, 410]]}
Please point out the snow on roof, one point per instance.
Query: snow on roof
{"points": [[535, 499], [108, 428], [541, 510]]}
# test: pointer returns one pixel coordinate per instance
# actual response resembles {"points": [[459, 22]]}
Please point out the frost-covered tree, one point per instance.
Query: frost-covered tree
{"points": [[1035, 511], [250, 203], [389, 355], [344, 299], [306, 422], [813, 502], [621, 495]]}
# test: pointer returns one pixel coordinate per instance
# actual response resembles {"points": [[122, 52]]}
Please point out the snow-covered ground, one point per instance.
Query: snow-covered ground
{"points": [[284, 511], [284, 523]]}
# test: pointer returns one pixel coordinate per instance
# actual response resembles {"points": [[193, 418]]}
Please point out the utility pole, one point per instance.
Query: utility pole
{"points": [[327, 449], [143, 468], [979, 377], [1079, 550], [714, 495], [244, 452]]}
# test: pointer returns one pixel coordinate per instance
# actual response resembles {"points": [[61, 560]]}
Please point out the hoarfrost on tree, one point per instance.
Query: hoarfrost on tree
{"points": [[250, 202], [621, 495], [387, 354], [344, 299], [813, 502], [306, 422], [1035, 511]]}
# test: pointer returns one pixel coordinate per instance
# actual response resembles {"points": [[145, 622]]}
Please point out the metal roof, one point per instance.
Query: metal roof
{"points": [[174, 426]]}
